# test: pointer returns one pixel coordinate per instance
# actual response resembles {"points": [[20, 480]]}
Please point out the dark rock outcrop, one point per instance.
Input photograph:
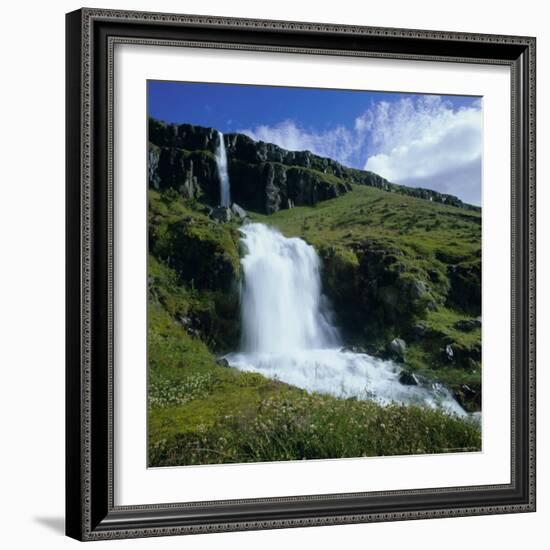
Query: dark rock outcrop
{"points": [[193, 174], [465, 291], [183, 136], [264, 177], [392, 293], [269, 187], [408, 378]]}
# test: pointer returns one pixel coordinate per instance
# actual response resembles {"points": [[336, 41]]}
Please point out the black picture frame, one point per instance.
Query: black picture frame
{"points": [[90, 510]]}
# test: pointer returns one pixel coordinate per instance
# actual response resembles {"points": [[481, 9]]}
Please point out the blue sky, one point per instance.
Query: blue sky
{"points": [[416, 139]]}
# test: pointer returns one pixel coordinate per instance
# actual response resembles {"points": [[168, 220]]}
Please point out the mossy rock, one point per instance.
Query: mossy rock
{"points": [[204, 254]]}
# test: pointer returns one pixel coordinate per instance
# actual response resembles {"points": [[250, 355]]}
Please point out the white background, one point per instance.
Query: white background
{"points": [[32, 280]]}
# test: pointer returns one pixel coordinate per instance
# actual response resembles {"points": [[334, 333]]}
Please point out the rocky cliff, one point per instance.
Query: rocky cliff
{"points": [[264, 177]]}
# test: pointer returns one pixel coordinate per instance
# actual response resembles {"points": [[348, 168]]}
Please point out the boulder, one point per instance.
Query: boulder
{"points": [[407, 378], [188, 324], [414, 290], [397, 348], [469, 397], [221, 214], [222, 362], [183, 320], [238, 211]]}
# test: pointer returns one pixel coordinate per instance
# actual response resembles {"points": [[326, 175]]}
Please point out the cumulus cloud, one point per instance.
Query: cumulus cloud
{"points": [[424, 142], [421, 141], [338, 143]]}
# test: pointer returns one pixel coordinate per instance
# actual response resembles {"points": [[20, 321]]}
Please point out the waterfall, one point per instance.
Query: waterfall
{"points": [[282, 306], [288, 334], [221, 162]]}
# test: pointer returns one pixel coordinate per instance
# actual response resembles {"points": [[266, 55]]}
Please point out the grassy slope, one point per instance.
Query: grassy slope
{"points": [[201, 412], [422, 227]]}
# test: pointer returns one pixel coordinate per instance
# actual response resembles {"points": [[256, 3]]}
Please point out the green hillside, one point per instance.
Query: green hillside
{"points": [[425, 260]]}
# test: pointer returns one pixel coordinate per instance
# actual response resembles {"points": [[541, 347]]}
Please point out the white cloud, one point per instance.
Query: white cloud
{"points": [[420, 141], [425, 143], [338, 143]]}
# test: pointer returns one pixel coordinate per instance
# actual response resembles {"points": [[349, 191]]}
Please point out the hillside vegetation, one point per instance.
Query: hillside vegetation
{"points": [[397, 266]]}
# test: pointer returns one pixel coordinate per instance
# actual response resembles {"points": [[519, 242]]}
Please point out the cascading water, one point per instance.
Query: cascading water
{"points": [[221, 161], [288, 333], [282, 309]]}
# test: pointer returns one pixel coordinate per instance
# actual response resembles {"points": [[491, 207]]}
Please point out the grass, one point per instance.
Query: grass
{"points": [[201, 412], [420, 227]]}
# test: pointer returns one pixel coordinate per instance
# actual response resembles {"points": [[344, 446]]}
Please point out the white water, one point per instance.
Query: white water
{"points": [[221, 161], [288, 334], [281, 304]]}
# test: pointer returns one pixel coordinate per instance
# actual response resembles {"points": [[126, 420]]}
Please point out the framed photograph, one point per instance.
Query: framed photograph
{"points": [[300, 274]]}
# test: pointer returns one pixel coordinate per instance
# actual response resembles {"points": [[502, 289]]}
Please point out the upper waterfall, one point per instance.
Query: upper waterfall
{"points": [[221, 161]]}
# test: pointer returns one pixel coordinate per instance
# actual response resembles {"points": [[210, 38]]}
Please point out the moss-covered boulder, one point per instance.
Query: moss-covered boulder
{"points": [[203, 253]]}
